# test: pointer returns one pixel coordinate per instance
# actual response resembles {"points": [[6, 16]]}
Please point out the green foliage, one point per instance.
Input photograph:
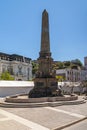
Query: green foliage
{"points": [[6, 76], [67, 63], [58, 65], [34, 67], [77, 62], [60, 78], [74, 64]]}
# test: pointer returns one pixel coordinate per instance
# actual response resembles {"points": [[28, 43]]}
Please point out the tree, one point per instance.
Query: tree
{"points": [[34, 68], [60, 65], [6, 76], [60, 78], [67, 63], [57, 65], [77, 62]]}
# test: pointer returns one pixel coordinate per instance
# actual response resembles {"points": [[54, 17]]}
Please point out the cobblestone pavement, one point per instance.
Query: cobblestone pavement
{"points": [[41, 118]]}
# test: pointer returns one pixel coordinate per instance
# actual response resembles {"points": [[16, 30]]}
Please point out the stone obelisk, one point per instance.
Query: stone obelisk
{"points": [[45, 60], [45, 83]]}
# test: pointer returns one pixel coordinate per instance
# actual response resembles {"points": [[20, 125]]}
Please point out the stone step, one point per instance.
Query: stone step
{"points": [[43, 104]]}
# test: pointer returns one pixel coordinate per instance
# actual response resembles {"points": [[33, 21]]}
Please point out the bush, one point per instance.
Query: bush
{"points": [[6, 76]]}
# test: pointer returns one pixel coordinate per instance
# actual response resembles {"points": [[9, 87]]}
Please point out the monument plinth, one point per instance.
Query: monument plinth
{"points": [[45, 83]]}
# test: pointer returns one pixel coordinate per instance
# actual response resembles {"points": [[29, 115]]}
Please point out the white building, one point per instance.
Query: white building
{"points": [[83, 75], [72, 75], [84, 70], [18, 66]]}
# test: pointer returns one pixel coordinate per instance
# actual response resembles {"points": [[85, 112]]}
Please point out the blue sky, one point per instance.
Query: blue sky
{"points": [[20, 28]]}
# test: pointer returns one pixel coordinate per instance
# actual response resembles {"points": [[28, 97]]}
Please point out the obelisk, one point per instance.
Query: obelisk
{"points": [[45, 40], [45, 83], [45, 60]]}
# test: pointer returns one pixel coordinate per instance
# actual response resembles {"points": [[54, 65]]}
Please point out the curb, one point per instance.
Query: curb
{"points": [[45, 104], [70, 124]]}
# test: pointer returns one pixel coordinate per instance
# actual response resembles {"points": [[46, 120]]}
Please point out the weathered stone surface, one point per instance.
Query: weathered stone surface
{"points": [[45, 83]]}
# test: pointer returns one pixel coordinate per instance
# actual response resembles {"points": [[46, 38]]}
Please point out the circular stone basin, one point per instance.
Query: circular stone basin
{"points": [[23, 98]]}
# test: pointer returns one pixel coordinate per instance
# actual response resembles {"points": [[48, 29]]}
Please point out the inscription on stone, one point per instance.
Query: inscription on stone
{"points": [[39, 84]]}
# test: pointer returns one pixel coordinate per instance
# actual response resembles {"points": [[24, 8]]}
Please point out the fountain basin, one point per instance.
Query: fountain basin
{"points": [[23, 98]]}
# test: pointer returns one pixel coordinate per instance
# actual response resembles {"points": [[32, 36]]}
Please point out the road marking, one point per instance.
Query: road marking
{"points": [[66, 112], [5, 119], [30, 124]]}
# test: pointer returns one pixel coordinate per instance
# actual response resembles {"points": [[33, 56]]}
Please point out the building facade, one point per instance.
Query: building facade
{"points": [[74, 75], [83, 74], [18, 66], [71, 75], [84, 71]]}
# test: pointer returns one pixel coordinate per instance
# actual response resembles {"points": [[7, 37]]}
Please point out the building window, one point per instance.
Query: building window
{"points": [[67, 72], [3, 68], [20, 69], [10, 70]]}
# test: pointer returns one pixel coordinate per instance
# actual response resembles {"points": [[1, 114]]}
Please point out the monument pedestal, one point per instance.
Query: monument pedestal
{"points": [[44, 87]]}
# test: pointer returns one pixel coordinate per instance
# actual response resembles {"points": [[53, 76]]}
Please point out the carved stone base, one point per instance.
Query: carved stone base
{"points": [[44, 87]]}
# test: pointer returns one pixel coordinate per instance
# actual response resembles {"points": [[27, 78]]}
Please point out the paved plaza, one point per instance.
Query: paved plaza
{"points": [[67, 117]]}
